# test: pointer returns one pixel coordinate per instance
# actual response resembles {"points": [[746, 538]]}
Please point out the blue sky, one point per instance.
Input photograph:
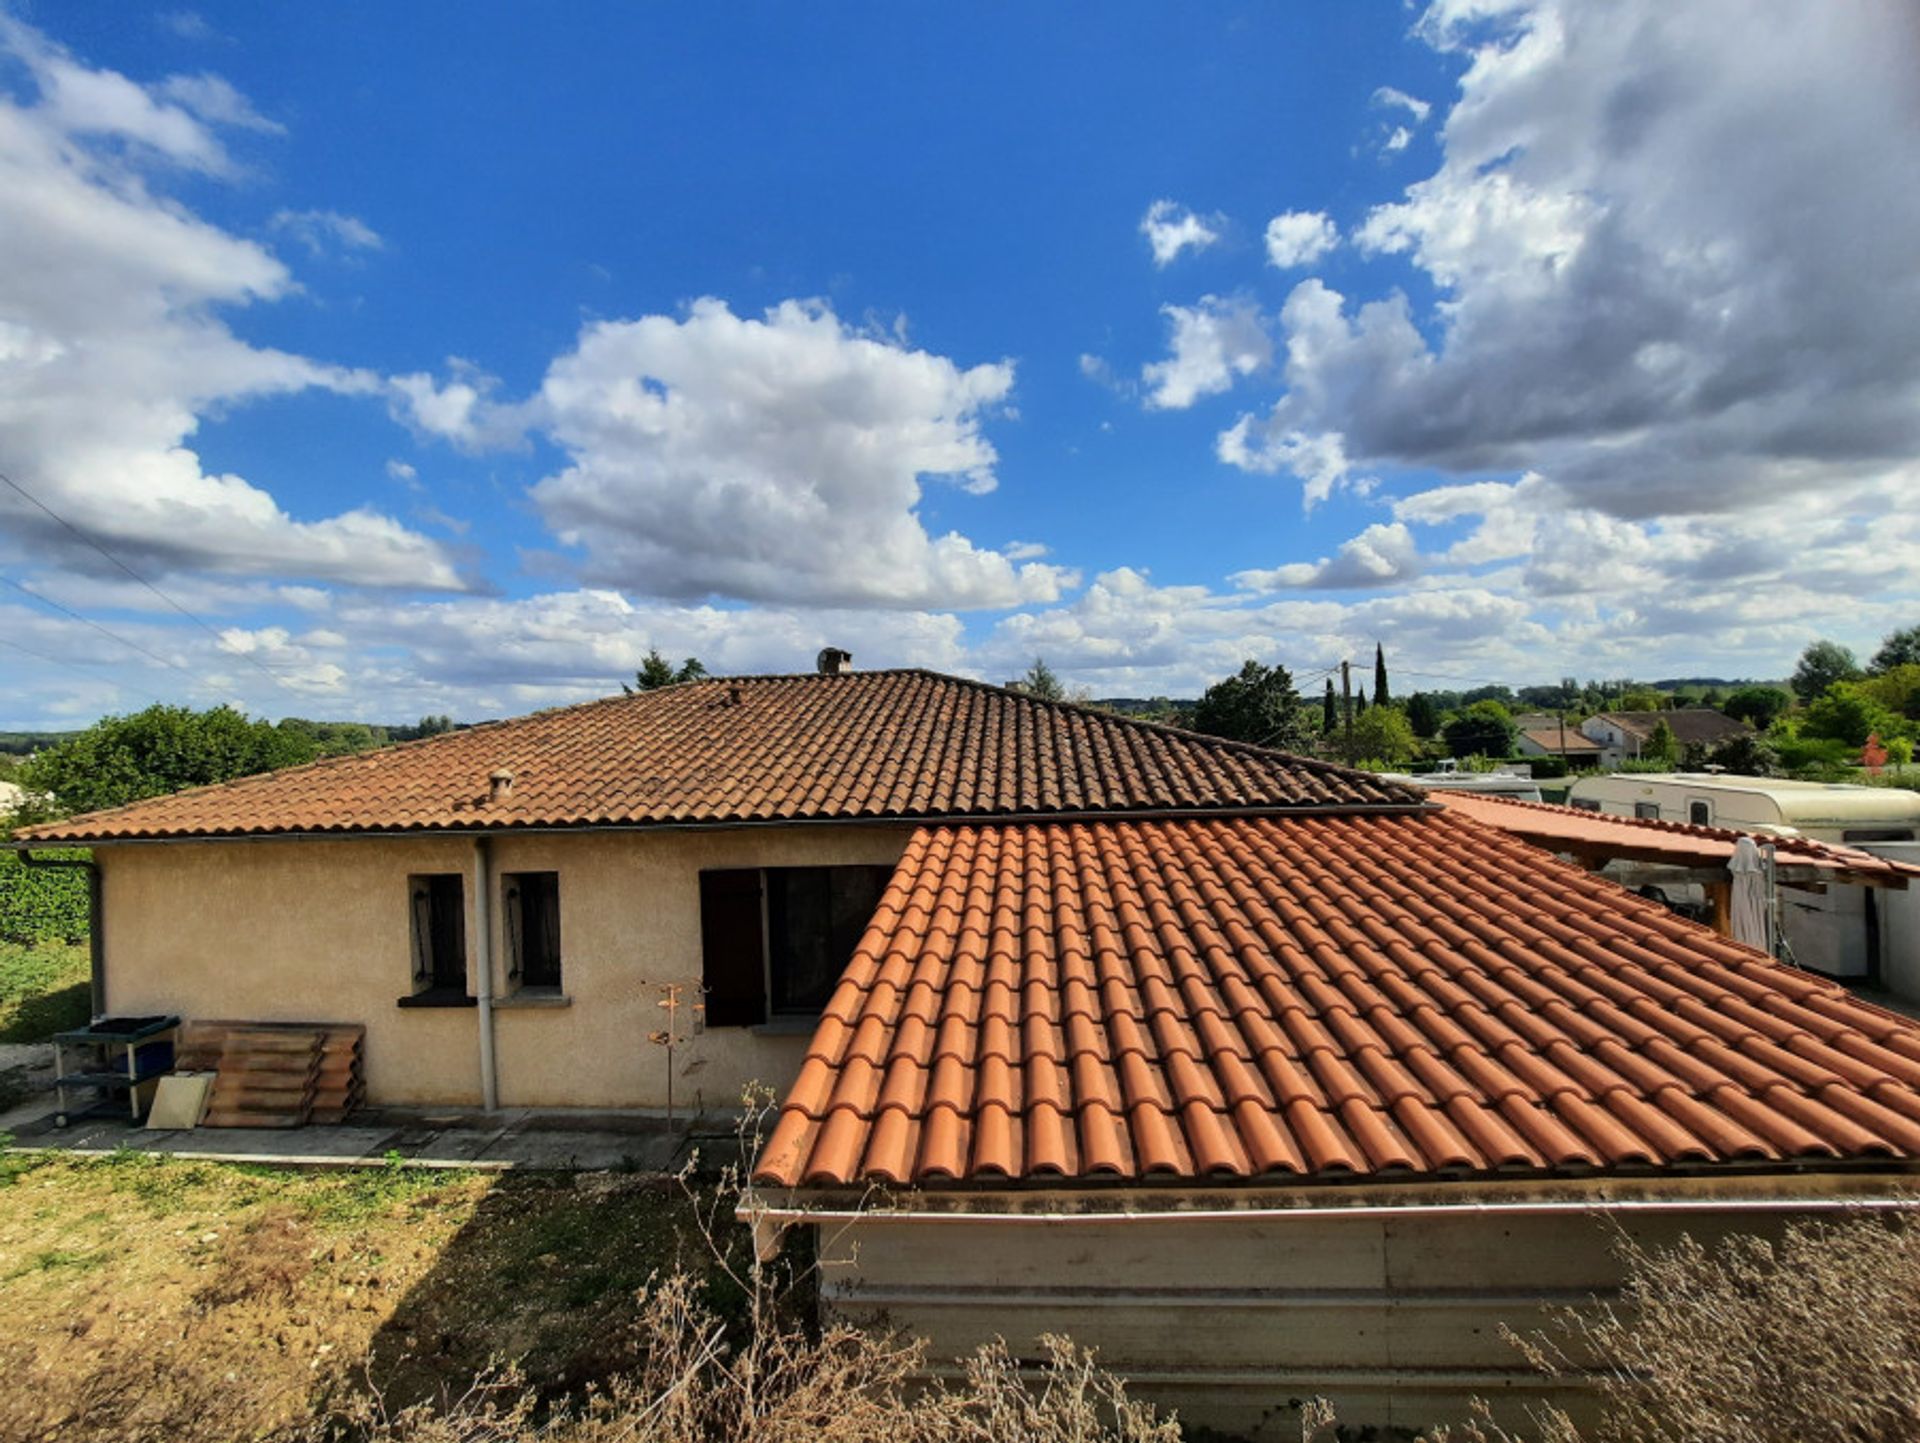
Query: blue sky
{"points": [[445, 359]]}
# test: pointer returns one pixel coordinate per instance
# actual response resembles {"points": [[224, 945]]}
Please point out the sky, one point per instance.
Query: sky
{"points": [[369, 361]]}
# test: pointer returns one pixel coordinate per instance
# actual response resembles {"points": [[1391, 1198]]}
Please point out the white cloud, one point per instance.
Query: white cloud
{"points": [[1383, 555], [1320, 461], [113, 348], [321, 231], [214, 100], [1214, 343], [1171, 228], [186, 24], [462, 410], [1390, 98], [1674, 275], [777, 458], [1299, 238]]}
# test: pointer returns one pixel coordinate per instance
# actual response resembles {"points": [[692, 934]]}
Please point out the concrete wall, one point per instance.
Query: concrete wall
{"points": [[1235, 1321], [320, 931]]}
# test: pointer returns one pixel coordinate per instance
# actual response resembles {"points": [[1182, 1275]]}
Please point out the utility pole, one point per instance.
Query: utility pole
{"points": [[1346, 703]]}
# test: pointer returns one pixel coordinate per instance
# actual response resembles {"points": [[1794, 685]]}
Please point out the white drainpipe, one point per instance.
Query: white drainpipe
{"points": [[483, 969]]}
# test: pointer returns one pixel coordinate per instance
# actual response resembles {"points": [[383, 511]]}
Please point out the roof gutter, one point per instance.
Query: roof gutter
{"points": [[96, 938], [784, 1217], [954, 819]]}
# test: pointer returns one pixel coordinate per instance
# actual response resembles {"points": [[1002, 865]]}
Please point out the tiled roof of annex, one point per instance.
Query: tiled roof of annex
{"points": [[1653, 839], [1314, 997], [859, 745]]}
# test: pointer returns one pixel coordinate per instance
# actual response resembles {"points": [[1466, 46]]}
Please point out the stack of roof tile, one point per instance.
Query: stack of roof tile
{"points": [[877, 744], [1315, 997], [275, 1074]]}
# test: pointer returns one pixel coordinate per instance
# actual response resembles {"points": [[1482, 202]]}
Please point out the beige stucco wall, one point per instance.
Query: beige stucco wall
{"points": [[319, 931], [1234, 1321]]}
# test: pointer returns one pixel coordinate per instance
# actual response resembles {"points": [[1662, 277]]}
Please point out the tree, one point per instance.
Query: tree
{"points": [[433, 726], [1382, 735], [1040, 681], [1897, 689], [1820, 666], [1662, 746], [656, 671], [1380, 694], [1329, 712], [1899, 648], [1258, 705], [1757, 705], [162, 749], [1422, 715], [1847, 714], [1642, 698], [1484, 729], [1748, 756]]}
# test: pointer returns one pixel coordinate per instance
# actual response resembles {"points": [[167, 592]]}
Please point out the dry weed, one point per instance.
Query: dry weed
{"points": [[262, 1262], [1810, 1339]]}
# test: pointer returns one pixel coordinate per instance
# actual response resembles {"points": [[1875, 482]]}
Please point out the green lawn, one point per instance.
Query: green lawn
{"points": [[43, 989]]}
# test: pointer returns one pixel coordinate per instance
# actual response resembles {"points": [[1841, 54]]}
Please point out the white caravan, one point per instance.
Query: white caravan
{"points": [[1868, 933]]}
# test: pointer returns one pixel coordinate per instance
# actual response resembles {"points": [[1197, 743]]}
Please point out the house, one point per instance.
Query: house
{"points": [[1623, 735], [503, 907], [1266, 1077], [1555, 740]]}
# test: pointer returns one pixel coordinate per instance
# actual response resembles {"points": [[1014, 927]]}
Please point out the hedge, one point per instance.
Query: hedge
{"points": [[42, 904]]}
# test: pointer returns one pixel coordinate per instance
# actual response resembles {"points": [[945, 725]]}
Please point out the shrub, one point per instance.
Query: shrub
{"points": [[42, 904], [1813, 1339]]}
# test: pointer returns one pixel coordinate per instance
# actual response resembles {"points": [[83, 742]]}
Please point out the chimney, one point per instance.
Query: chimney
{"points": [[833, 662], [499, 785]]}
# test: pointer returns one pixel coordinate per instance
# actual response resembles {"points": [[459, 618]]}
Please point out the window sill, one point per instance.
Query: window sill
{"points": [[533, 997], [786, 1027], [440, 997]]}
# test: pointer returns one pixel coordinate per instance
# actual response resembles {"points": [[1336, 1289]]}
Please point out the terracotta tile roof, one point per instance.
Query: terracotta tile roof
{"points": [[1649, 839], [1692, 725], [1550, 739], [1314, 997], [869, 744]]}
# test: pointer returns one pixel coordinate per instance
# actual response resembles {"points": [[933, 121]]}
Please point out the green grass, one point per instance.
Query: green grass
{"points": [[43, 989]]}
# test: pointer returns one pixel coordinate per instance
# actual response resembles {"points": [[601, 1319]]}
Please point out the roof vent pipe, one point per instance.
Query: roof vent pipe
{"points": [[833, 662], [499, 785]]}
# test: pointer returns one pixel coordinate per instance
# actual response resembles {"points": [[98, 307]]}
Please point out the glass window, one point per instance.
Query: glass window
{"points": [[532, 902], [1700, 813], [439, 933], [775, 940], [815, 916], [1647, 811]]}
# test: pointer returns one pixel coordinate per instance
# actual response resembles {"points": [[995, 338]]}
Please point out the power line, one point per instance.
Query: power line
{"points": [[55, 660], [82, 536], [88, 621]]}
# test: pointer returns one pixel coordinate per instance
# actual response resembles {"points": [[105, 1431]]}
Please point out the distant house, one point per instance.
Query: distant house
{"points": [[1623, 735], [1267, 1077], [1576, 746]]}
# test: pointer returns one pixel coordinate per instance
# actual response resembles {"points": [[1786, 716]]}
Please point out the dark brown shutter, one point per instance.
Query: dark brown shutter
{"points": [[734, 946]]}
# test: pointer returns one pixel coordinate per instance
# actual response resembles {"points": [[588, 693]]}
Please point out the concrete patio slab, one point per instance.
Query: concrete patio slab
{"points": [[517, 1138]]}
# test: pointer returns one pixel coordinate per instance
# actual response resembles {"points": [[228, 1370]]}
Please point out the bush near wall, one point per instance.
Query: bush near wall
{"points": [[42, 904]]}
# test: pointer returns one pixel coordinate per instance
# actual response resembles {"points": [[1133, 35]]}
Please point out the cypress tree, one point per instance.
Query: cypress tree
{"points": [[1380, 695], [1329, 711]]}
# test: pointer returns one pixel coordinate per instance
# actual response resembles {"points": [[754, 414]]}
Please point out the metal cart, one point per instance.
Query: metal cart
{"points": [[111, 1056]]}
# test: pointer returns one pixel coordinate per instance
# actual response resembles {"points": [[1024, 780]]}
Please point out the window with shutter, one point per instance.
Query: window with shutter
{"points": [[777, 939], [437, 920], [531, 918], [733, 941]]}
